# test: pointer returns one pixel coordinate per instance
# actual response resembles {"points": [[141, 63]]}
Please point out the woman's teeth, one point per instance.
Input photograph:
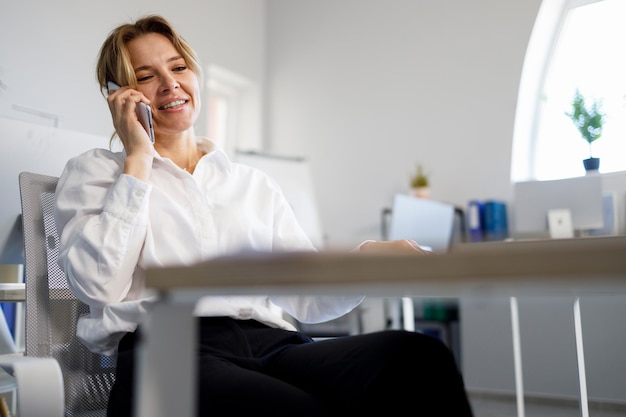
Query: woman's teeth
{"points": [[173, 104]]}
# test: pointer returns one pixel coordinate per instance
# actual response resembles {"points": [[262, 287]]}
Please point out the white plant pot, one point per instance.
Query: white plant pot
{"points": [[420, 192]]}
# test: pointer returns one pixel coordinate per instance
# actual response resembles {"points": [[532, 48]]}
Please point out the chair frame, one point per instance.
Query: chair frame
{"points": [[38, 378], [52, 310]]}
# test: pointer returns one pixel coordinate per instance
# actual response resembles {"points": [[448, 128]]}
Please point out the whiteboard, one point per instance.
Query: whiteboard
{"points": [[293, 175], [34, 148]]}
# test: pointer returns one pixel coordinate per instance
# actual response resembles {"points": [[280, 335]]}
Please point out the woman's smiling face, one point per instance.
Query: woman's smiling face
{"points": [[165, 79]]}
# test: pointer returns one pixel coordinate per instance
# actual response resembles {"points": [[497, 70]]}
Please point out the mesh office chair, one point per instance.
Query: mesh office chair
{"points": [[52, 310]]}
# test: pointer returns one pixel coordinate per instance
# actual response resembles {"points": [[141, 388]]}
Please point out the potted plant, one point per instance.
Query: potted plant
{"points": [[589, 121], [420, 186]]}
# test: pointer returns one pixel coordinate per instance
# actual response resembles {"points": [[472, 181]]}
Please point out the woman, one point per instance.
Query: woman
{"points": [[180, 200]]}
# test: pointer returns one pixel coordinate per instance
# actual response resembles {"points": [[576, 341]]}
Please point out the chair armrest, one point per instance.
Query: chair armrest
{"points": [[39, 382]]}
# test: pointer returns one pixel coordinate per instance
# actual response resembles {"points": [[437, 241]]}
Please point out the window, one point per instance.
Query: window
{"points": [[232, 111], [576, 44]]}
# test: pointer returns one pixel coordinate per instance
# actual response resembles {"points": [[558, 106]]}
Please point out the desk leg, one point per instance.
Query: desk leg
{"points": [[394, 309], [517, 357], [580, 354], [166, 381], [408, 314]]}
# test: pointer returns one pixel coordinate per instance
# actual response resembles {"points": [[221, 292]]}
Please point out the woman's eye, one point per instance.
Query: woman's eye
{"points": [[180, 68], [144, 78]]}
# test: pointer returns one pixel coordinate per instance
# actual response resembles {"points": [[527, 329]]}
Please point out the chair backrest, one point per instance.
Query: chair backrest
{"points": [[52, 310]]}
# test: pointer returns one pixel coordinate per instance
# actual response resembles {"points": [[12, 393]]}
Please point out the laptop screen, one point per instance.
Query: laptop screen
{"points": [[430, 223]]}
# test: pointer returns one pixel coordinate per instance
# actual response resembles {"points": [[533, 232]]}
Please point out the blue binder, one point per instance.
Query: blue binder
{"points": [[496, 224], [475, 221]]}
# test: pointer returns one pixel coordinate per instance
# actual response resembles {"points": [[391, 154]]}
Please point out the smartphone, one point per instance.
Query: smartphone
{"points": [[144, 113]]}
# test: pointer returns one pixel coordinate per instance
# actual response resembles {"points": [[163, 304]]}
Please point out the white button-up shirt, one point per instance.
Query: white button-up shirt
{"points": [[113, 226]]}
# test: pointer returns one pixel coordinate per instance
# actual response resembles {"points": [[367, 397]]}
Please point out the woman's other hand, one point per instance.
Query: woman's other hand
{"points": [[401, 246]]}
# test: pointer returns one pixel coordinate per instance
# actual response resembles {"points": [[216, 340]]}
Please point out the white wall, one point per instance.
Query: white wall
{"points": [[49, 50], [368, 88]]}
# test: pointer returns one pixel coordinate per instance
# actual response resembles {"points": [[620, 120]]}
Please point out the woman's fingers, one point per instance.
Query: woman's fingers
{"points": [[406, 246]]}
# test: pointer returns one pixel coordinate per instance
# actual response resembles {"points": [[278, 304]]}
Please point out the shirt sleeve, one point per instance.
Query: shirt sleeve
{"points": [[289, 235], [317, 309], [101, 216]]}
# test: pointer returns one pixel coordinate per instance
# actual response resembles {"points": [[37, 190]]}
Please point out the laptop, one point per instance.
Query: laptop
{"points": [[430, 223]]}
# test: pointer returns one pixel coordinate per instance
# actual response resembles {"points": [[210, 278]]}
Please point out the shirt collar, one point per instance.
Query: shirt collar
{"points": [[214, 154]]}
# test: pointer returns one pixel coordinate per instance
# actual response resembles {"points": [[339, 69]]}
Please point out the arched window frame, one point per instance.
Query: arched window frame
{"points": [[542, 44]]}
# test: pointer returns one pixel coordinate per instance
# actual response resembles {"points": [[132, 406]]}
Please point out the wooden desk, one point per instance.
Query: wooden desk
{"points": [[569, 267]]}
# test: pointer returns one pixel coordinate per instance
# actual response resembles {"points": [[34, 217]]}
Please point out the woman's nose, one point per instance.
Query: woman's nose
{"points": [[169, 84]]}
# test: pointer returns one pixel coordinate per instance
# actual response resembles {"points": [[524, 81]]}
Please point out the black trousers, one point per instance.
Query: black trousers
{"points": [[245, 366]]}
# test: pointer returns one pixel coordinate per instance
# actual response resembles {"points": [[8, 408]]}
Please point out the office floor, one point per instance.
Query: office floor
{"points": [[490, 406]]}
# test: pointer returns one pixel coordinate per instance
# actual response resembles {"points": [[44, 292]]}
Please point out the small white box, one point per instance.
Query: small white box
{"points": [[560, 223]]}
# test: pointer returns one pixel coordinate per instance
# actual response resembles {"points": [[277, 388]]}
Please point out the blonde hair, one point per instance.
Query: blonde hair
{"points": [[114, 62], [114, 59]]}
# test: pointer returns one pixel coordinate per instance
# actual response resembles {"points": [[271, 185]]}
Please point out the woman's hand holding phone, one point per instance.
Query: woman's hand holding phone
{"points": [[143, 111], [139, 152]]}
